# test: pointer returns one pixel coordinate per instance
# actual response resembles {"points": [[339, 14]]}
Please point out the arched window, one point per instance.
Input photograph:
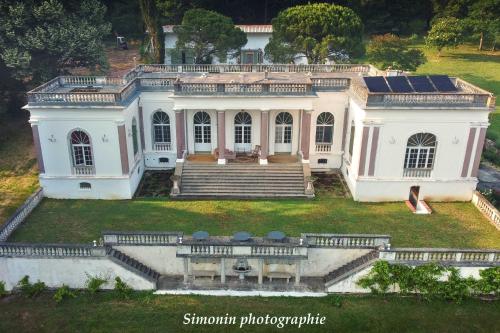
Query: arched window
{"points": [[284, 122], [135, 141], [324, 128], [161, 131], [242, 131], [81, 149], [202, 129], [420, 151]]}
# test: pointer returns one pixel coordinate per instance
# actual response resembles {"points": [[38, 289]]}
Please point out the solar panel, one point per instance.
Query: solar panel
{"points": [[442, 83], [376, 84], [421, 84], [399, 84]]}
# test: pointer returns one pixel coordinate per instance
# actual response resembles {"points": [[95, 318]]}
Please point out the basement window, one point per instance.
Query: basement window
{"points": [[163, 159], [322, 161], [85, 186]]}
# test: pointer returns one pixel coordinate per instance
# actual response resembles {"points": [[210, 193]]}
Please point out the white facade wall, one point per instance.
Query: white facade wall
{"points": [[73, 272]]}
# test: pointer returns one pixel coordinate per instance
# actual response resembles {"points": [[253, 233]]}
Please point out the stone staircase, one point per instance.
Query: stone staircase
{"points": [[240, 180], [132, 264], [350, 268]]}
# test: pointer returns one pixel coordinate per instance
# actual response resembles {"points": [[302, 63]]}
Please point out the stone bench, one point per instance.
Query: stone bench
{"points": [[204, 273], [279, 275]]}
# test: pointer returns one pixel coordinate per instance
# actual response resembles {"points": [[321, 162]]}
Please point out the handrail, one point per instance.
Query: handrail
{"points": [[141, 237], [443, 255], [50, 250]]}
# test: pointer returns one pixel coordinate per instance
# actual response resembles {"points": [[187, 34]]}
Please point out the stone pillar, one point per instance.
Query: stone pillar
{"points": [[38, 148], [221, 136], [264, 137], [186, 269], [222, 270], [306, 135], [297, 272], [261, 270], [122, 140], [141, 128], [180, 134]]}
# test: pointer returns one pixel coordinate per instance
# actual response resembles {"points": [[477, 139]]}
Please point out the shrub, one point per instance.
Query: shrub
{"points": [[379, 279], [94, 283], [456, 288], [123, 289], [63, 293], [30, 290], [3, 291], [489, 282]]}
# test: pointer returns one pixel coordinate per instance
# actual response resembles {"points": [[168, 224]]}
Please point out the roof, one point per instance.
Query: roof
{"points": [[247, 28]]}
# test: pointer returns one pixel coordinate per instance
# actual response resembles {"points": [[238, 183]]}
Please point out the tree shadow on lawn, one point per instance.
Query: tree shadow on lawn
{"points": [[77, 221], [475, 57]]}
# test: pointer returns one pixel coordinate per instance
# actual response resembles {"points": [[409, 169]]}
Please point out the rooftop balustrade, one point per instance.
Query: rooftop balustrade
{"points": [[294, 80]]}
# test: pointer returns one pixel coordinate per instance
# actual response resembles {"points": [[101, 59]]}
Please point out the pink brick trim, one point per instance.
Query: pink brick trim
{"points": [[362, 156], [468, 152]]}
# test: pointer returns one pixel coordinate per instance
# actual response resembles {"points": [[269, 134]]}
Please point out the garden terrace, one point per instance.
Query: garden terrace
{"points": [[451, 225]]}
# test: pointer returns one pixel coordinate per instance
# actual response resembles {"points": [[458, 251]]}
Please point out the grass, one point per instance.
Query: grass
{"points": [[70, 221], [104, 312], [18, 170]]}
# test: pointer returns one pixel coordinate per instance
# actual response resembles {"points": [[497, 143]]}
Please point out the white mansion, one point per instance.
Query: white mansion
{"points": [[387, 135]]}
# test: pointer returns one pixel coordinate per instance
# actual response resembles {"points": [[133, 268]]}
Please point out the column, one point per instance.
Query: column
{"points": [[306, 135], [122, 140], [186, 269], [141, 128], [180, 134], [261, 270], [264, 136], [297, 272], [221, 136], [38, 148], [222, 270]]}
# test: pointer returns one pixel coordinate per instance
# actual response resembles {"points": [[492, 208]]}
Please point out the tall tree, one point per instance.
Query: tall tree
{"points": [[38, 40], [445, 32], [315, 30], [484, 20], [209, 34], [390, 51], [154, 29]]}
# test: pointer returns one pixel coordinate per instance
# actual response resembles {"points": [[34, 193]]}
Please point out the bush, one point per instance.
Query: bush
{"points": [[63, 293], [425, 280], [123, 289], [3, 292], [30, 290], [94, 283]]}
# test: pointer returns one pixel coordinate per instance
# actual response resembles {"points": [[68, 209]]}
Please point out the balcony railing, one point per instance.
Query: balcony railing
{"points": [[346, 241], [83, 170], [323, 147], [162, 146], [417, 173], [242, 89]]}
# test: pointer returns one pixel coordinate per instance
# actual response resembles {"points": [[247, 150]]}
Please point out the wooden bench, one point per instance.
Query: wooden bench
{"points": [[279, 275], [204, 273]]}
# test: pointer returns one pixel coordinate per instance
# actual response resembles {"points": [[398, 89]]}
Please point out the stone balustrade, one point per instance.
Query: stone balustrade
{"points": [[141, 237], [162, 146], [446, 256], [20, 214], [346, 241], [83, 170], [323, 147], [417, 173], [50, 250], [485, 207], [242, 89], [258, 247]]}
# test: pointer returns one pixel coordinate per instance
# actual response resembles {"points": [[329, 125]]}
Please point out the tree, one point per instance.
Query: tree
{"points": [[315, 30], [209, 34], [39, 40], [154, 30], [390, 51], [484, 20], [445, 32]]}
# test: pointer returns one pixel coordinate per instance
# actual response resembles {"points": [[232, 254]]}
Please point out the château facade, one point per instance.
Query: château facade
{"points": [[388, 136]]}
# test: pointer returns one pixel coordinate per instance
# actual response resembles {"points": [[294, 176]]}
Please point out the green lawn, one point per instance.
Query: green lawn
{"points": [[451, 224], [144, 313]]}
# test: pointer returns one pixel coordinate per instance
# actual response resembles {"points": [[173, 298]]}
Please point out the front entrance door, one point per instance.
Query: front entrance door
{"points": [[413, 197], [242, 132], [202, 132], [283, 133]]}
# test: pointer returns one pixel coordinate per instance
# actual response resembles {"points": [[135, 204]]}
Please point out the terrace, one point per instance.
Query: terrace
{"points": [[247, 80]]}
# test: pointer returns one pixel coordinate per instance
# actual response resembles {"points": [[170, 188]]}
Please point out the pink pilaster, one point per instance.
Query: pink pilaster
{"points": [[180, 135], [264, 137], [306, 134], [221, 136]]}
